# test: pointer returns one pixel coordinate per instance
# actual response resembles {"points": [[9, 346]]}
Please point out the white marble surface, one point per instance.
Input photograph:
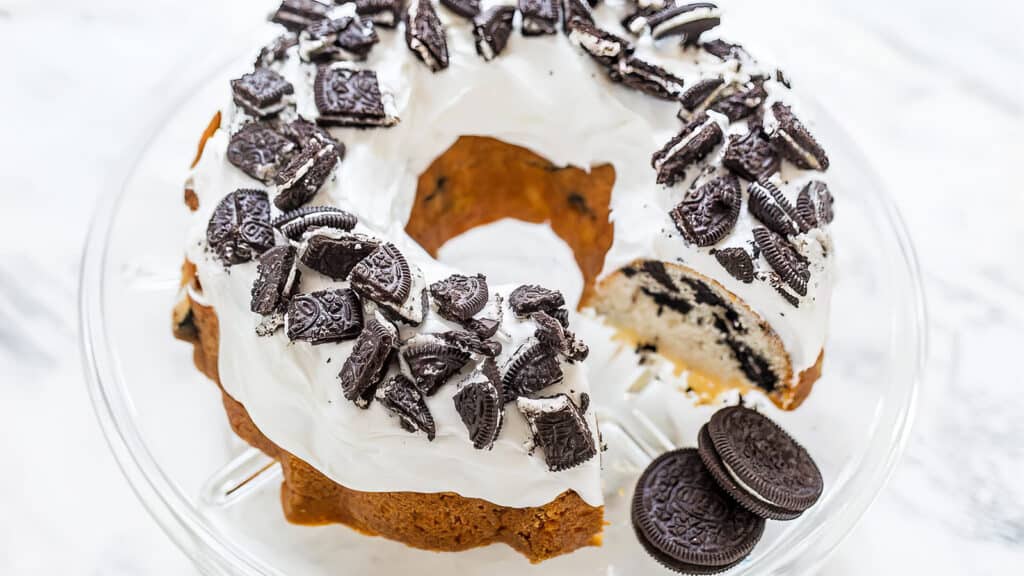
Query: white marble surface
{"points": [[932, 90]]}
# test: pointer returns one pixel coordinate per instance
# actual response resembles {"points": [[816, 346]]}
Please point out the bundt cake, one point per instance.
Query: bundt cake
{"points": [[421, 403]]}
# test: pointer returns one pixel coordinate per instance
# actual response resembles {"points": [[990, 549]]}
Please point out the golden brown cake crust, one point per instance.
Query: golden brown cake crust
{"points": [[440, 522]]}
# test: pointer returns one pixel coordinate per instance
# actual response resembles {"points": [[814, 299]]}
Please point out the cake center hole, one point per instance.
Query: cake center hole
{"points": [[481, 180]]}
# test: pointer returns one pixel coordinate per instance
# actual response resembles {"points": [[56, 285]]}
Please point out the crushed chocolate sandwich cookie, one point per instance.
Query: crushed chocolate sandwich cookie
{"points": [[696, 140], [465, 8], [769, 204], [294, 223], [737, 262], [262, 93], [647, 78], [574, 11], [431, 362], [383, 276], [552, 332], [404, 401], [686, 522], [365, 367], [687, 21], [471, 342], [459, 298], [697, 97], [425, 35], [239, 229], [530, 298], [759, 464], [560, 430], [492, 29], [348, 97], [636, 21], [259, 151], [324, 316], [539, 17], [344, 38], [277, 280], [276, 51], [814, 204], [386, 13], [738, 101], [531, 369], [305, 134], [334, 253], [784, 259], [793, 140], [725, 50], [481, 406], [601, 45], [751, 156], [300, 180], [298, 14], [709, 212]]}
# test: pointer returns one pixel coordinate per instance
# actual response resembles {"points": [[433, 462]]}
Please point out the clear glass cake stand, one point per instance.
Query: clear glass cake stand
{"points": [[218, 499]]}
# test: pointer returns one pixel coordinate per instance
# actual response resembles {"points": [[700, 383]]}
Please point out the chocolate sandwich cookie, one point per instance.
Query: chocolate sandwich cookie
{"points": [[294, 223], [759, 464], [709, 212], [687, 21], [262, 93], [299, 180], [539, 17], [425, 35], [298, 14], [324, 316], [693, 143], [560, 430], [491, 30], [480, 405], [648, 78], [386, 13], [686, 522], [260, 151], [366, 365], [531, 369], [465, 8], [399, 397], [793, 140], [350, 98], [239, 228], [430, 361], [334, 253], [601, 45]]}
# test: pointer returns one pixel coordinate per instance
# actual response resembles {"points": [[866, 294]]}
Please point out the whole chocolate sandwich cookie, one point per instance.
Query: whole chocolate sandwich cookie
{"points": [[686, 522], [399, 392], [759, 465]]}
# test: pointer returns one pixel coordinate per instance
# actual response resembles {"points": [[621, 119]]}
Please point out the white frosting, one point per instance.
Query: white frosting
{"points": [[542, 93]]}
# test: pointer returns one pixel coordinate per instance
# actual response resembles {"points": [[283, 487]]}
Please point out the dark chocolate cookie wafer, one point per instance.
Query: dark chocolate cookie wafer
{"points": [[725, 50], [459, 297], [300, 180], [539, 17], [530, 298], [491, 30], [276, 51], [425, 35], [751, 156], [464, 8], [696, 140], [480, 405], [239, 229], [386, 13], [471, 342], [364, 368], [294, 223], [259, 151], [324, 316], [647, 78], [346, 97], [262, 93], [551, 332], [574, 11], [733, 487], [770, 205], [764, 459], [784, 259], [431, 362], [334, 254], [814, 204], [793, 140], [559, 429], [740, 101], [601, 45], [402, 399], [297, 14], [276, 280], [383, 276], [684, 519], [687, 21], [533, 368], [737, 263], [708, 213]]}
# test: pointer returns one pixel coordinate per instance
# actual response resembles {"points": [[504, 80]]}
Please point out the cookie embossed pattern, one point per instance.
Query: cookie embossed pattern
{"points": [[219, 512]]}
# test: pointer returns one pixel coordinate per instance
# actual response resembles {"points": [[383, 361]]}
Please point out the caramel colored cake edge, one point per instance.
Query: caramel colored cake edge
{"points": [[438, 522]]}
